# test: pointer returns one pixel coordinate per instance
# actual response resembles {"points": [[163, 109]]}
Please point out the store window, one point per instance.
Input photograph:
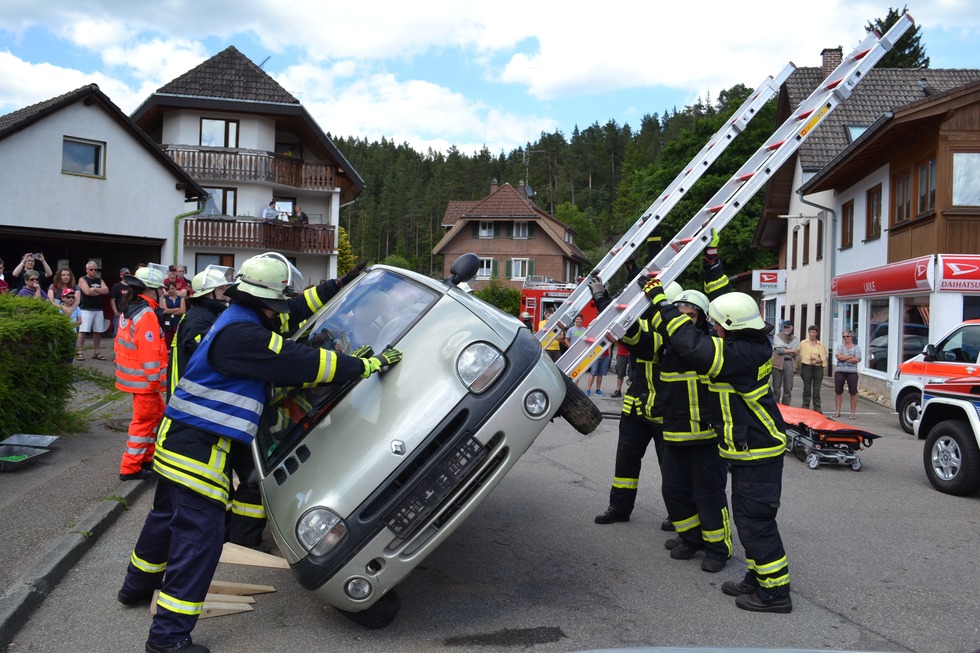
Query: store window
{"points": [[877, 335]]}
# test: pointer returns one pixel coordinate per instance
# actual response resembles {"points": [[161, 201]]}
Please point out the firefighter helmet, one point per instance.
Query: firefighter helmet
{"points": [[693, 298], [672, 290], [736, 311], [212, 278], [270, 278], [153, 275]]}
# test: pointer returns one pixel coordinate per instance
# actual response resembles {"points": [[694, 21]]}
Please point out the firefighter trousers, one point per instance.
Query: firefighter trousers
{"points": [[756, 491], [246, 515], [635, 434], [140, 442], [694, 480]]}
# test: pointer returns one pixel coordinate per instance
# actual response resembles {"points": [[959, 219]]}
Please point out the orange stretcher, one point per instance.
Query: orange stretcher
{"points": [[820, 440]]}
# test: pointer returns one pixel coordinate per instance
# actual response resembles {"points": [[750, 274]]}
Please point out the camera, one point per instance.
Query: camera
{"points": [[36, 256]]}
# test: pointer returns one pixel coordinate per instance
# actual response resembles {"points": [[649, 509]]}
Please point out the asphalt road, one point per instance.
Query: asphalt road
{"points": [[879, 562]]}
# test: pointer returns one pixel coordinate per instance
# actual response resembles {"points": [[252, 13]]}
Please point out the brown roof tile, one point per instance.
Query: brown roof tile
{"points": [[230, 75], [455, 210]]}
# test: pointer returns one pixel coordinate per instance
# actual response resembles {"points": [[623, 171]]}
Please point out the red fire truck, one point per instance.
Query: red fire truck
{"points": [[539, 293]]}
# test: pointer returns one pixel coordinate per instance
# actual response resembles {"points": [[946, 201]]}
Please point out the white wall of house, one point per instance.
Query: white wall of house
{"points": [[137, 196], [863, 254], [183, 127]]}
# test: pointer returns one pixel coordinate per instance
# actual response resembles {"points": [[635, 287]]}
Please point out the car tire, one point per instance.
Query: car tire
{"points": [[577, 409], [952, 458], [909, 407], [378, 615]]}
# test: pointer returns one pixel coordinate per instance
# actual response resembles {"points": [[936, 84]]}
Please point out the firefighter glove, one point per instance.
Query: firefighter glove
{"points": [[654, 291], [364, 351], [711, 251], [381, 362], [350, 276]]}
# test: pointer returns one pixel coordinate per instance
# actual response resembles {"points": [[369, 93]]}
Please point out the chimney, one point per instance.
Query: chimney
{"points": [[832, 57], [493, 186]]}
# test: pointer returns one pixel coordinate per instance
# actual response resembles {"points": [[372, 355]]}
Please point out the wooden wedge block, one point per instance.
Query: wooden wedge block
{"points": [[214, 608], [236, 554], [228, 598], [240, 589]]}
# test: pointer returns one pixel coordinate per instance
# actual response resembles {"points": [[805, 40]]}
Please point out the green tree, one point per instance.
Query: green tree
{"points": [[583, 222], [397, 261], [908, 52], [345, 255], [502, 295]]}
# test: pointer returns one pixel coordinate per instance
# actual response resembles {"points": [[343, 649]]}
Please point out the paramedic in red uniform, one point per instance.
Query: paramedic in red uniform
{"points": [[141, 367], [215, 407]]}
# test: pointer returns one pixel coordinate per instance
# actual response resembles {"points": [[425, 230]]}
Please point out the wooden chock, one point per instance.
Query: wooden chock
{"points": [[239, 589], [236, 554], [216, 605]]}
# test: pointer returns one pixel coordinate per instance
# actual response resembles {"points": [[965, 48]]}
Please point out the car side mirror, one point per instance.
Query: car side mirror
{"points": [[463, 269], [930, 353]]}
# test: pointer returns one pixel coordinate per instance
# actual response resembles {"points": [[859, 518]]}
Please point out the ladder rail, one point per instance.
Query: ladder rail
{"points": [[612, 324], [565, 314]]}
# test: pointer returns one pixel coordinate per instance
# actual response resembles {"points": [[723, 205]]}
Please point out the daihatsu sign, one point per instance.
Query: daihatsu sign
{"points": [[959, 273], [769, 280]]}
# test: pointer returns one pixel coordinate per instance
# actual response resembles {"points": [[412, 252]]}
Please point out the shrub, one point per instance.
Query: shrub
{"points": [[501, 295]]}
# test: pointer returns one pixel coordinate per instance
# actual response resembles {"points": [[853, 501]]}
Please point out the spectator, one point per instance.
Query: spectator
{"points": [[813, 358], [4, 288], [183, 287], [848, 356], [173, 308], [270, 212], [622, 368], [554, 347], [298, 216], [32, 286], [69, 306], [27, 262], [785, 350], [598, 370], [93, 290], [64, 280], [117, 297]]}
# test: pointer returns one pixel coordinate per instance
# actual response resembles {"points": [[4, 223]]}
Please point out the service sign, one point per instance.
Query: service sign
{"points": [[769, 280], [913, 275], [959, 273]]}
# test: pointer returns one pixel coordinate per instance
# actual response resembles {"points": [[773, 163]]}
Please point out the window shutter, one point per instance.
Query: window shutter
{"points": [[530, 267], [510, 229], [530, 229], [510, 269], [496, 230], [494, 270], [476, 229]]}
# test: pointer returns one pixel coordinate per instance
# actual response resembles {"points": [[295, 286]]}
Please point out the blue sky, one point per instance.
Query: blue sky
{"points": [[443, 73]]}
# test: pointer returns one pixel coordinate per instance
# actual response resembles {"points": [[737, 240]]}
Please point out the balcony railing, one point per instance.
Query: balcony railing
{"points": [[253, 233], [251, 165]]}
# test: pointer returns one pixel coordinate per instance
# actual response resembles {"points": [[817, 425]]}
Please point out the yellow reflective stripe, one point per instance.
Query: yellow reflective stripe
{"points": [[719, 358], [685, 525], [327, 368], [626, 483], [253, 510], [771, 567], [173, 604], [777, 581], [190, 482], [185, 465], [146, 566], [312, 299], [714, 286], [686, 436], [676, 323], [275, 342]]}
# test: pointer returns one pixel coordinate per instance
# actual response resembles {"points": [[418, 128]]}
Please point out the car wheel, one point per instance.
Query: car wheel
{"points": [[577, 409], [909, 407], [952, 459], [378, 615]]}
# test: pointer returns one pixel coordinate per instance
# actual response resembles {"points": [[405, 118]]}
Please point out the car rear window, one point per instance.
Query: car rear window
{"points": [[376, 312]]}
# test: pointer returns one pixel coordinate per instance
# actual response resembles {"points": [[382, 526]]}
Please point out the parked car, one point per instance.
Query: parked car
{"points": [[950, 427], [955, 355], [878, 350], [363, 480]]}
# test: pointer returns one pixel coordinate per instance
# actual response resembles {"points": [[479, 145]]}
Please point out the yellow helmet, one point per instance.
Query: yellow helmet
{"points": [[736, 311], [212, 278], [152, 276], [270, 278]]}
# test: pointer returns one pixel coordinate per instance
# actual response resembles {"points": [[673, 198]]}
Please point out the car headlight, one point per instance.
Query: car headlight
{"points": [[479, 366], [536, 403], [319, 530]]}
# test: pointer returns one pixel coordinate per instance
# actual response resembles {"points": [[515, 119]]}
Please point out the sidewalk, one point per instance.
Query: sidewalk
{"points": [[54, 511]]}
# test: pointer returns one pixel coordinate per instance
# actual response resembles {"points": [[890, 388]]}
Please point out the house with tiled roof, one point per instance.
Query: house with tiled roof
{"points": [[514, 238], [249, 142], [83, 182], [870, 192]]}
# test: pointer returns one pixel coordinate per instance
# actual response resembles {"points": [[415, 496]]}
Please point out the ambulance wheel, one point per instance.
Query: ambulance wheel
{"points": [[909, 407], [378, 615], [813, 461], [856, 465], [577, 409]]}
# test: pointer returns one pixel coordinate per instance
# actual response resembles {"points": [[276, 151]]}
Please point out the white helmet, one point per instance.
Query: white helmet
{"points": [[736, 311], [693, 298], [672, 290], [151, 276], [270, 278], [212, 278]]}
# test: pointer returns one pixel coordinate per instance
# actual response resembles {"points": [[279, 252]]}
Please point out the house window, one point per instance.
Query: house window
{"points": [[222, 201], [847, 225], [902, 183], [796, 244], [966, 179], [872, 223], [219, 133], [519, 268], [202, 261], [81, 157], [520, 230], [486, 268], [926, 190], [806, 244], [486, 229], [819, 240]]}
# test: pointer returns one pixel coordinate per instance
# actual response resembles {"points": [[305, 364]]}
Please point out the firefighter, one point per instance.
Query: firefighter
{"points": [[218, 404], [141, 367], [694, 476], [639, 423]]}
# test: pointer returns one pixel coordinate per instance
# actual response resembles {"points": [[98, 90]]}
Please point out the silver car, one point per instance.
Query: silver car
{"points": [[362, 480]]}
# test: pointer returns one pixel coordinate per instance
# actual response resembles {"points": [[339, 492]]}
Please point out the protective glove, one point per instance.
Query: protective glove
{"points": [[711, 251], [364, 351], [598, 290], [350, 276], [381, 362], [654, 291]]}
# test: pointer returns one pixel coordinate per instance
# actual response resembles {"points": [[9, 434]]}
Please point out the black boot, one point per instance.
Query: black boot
{"points": [[611, 516], [186, 646], [667, 525], [753, 603], [731, 588], [684, 551]]}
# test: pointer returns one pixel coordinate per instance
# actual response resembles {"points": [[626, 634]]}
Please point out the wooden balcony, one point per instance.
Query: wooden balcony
{"points": [[253, 233], [224, 164]]}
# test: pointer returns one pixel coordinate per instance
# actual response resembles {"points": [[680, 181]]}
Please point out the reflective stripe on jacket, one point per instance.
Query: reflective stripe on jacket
{"points": [[140, 350]]}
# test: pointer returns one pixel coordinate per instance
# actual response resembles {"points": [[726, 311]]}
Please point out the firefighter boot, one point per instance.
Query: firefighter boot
{"points": [[185, 646], [754, 603], [611, 516]]}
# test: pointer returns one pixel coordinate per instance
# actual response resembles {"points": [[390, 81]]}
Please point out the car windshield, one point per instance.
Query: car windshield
{"points": [[375, 312]]}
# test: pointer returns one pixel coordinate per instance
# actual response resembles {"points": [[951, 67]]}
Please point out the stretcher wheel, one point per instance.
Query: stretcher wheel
{"points": [[813, 461], [856, 465]]}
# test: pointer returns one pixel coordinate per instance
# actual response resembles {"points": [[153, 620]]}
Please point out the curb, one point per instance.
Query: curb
{"points": [[24, 596]]}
